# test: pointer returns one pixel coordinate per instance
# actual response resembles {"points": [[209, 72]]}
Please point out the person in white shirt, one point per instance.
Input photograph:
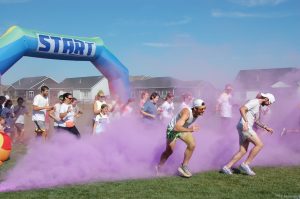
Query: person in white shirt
{"points": [[54, 113], [77, 111], [99, 100], [20, 110], [181, 127], [101, 120], [120, 108], [224, 105], [167, 108], [187, 99], [224, 108], [250, 116], [67, 114], [39, 110]]}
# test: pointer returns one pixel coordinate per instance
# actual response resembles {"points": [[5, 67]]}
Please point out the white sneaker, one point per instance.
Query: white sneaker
{"points": [[283, 131], [184, 171], [157, 170], [226, 170], [245, 167]]}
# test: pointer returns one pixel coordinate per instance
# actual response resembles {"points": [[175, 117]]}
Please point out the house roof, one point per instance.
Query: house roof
{"points": [[32, 82], [166, 82], [80, 82], [156, 82], [138, 77], [265, 78]]}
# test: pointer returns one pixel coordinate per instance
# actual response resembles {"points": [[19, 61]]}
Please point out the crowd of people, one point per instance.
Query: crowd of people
{"points": [[177, 119]]}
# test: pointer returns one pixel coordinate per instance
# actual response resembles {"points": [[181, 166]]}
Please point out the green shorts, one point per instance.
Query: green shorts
{"points": [[173, 135]]}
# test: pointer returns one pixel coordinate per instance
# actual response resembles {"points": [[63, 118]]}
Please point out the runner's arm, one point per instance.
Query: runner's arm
{"points": [[263, 126], [147, 114], [243, 111], [51, 114], [96, 111], [64, 114], [37, 108], [260, 124], [184, 116]]}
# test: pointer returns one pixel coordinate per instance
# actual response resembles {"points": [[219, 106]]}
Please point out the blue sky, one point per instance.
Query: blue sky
{"points": [[188, 39]]}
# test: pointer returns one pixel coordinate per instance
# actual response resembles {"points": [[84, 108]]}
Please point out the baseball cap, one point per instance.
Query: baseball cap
{"points": [[269, 96], [197, 103]]}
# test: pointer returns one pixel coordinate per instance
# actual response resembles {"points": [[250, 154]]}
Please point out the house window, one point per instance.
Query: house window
{"points": [[85, 94], [30, 94]]}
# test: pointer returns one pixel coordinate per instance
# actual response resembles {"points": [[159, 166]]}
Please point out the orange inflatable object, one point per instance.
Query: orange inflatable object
{"points": [[5, 147]]}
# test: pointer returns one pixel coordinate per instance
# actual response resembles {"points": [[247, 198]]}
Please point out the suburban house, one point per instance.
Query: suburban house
{"points": [[164, 85], [3, 89], [280, 81], [28, 87], [83, 88]]}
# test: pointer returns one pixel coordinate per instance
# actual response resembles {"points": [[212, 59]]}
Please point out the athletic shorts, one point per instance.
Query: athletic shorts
{"points": [[244, 135], [41, 124], [173, 135], [19, 127]]}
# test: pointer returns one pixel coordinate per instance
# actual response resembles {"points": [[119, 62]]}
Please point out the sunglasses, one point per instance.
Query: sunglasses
{"points": [[70, 98], [102, 96]]}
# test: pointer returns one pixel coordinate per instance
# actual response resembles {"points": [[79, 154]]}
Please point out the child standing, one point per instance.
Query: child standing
{"points": [[20, 110], [8, 114], [101, 120]]}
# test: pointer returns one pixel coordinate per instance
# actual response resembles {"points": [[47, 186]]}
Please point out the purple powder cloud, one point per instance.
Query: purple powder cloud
{"points": [[130, 149]]}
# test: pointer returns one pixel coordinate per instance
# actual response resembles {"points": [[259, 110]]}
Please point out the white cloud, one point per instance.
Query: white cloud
{"points": [[13, 1], [253, 3], [183, 21], [237, 14]]}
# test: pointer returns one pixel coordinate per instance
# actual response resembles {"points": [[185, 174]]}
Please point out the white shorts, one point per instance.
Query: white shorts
{"points": [[244, 135]]}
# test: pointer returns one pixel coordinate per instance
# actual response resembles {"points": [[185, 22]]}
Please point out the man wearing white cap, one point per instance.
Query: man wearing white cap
{"points": [[180, 127], [249, 117]]}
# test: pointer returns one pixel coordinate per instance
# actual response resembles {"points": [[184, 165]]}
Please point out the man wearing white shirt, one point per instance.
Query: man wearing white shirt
{"points": [[224, 107], [167, 108], [250, 116], [180, 127], [40, 108]]}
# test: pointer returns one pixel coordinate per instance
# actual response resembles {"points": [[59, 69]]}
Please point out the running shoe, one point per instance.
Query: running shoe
{"points": [[157, 170], [226, 170], [184, 171], [245, 167]]}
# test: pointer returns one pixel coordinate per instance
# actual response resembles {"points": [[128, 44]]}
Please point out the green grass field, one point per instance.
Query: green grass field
{"points": [[269, 183], [279, 182]]}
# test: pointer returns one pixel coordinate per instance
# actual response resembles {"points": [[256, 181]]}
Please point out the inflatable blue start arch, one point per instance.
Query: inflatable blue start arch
{"points": [[17, 42]]}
